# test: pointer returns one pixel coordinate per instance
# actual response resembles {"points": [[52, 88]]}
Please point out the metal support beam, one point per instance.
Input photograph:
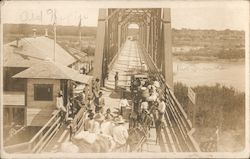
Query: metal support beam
{"points": [[100, 39], [167, 48]]}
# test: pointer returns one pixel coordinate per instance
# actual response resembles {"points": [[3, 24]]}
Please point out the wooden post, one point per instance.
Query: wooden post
{"points": [[26, 102], [167, 47], [54, 27], [148, 34], [119, 34], [100, 40], [151, 39]]}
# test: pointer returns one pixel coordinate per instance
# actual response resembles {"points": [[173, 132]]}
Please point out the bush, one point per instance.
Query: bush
{"points": [[216, 105]]}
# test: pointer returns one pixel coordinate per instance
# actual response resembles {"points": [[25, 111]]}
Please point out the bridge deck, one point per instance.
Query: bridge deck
{"points": [[128, 61]]}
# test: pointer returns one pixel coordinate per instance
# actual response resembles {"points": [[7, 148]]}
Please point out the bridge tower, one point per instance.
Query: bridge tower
{"points": [[154, 37]]}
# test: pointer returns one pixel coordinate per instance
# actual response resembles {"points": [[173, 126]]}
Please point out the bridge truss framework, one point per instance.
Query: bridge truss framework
{"points": [[154, 36]]}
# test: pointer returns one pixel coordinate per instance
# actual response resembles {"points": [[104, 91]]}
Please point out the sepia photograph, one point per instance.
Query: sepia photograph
{"points": [[124, 79]]}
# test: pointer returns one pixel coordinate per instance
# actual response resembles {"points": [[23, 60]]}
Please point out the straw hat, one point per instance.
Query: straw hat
{"points": [[119, 120]]}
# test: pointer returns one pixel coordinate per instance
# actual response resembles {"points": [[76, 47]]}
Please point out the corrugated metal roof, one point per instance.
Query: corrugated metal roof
{"points": [[53, 70], [32, 50]]}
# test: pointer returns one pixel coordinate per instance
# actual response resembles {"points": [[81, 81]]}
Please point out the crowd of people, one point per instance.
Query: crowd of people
{"points": [[148, 103], [72, 107], [98, 121]]}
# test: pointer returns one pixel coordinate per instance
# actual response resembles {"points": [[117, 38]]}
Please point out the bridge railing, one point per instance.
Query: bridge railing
{"points": [[78, 120], [37, 143], [45, 134]]}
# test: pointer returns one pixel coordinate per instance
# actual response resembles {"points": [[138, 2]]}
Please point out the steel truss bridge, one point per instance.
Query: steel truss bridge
{"points": [[154, 45]]}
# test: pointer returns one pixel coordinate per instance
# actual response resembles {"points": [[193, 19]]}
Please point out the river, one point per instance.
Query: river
{"points": [[193, 73]]}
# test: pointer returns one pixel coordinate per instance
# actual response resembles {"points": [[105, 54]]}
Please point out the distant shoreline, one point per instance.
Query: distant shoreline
{"points": [[206, 59]]}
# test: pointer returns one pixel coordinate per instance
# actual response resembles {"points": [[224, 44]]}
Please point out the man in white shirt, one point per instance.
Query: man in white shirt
{"points": [[59, 102], [144, 105], [106, 127], [123, 104], [153, 97], [161, 108], [144, 67]]}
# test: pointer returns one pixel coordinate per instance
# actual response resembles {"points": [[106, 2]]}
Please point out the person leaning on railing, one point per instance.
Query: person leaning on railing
{"points": [[60, 107]]}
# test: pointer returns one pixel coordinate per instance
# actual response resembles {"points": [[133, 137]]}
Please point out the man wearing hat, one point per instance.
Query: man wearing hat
{"points": [[96, 87], [99, 103], [123, 104], [120, 132], [144, 67]]}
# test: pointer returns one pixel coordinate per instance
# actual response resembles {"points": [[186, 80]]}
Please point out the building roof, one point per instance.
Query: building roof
{"points": [[31, 50], [79, 55], [53, 70]]}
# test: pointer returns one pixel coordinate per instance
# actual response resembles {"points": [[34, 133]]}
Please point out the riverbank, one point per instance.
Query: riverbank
{"points": [[206, 59], [216, 107]]}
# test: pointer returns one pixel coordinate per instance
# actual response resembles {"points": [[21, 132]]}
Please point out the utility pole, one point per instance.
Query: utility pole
{"points": [[54, 25], [80, 33]]}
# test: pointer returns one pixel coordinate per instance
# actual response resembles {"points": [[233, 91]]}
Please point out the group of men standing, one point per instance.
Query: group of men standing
{"points": [[148, 101], [98, 121]]}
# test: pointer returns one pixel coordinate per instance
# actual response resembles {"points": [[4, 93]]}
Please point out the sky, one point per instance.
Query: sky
{"points": [[192, 15]]}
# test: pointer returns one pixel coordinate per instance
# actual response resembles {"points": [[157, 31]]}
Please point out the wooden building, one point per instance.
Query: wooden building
{"points": [[18, 56], [43, 82]]}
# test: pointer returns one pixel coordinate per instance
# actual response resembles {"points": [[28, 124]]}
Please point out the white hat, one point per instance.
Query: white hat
{"points": [[119, 120], [156, 84], [61, 92]]}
